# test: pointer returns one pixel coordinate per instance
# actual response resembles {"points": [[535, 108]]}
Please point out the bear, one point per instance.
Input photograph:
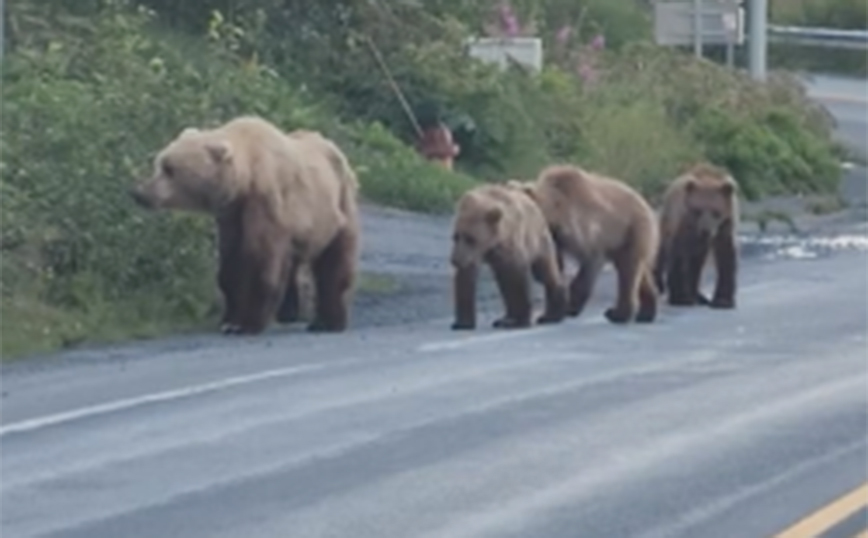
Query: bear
{"points": [[501, 227], [597, 219], [280, 201], [699, 218], [299, 299]]}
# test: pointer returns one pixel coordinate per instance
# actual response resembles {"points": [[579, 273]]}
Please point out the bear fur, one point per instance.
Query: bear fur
{"points": [[280, 201], [501, 227], [699, 219], [597, 219]]}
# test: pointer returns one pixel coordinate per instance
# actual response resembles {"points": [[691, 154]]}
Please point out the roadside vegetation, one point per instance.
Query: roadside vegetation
{"points": [[93, 88]]}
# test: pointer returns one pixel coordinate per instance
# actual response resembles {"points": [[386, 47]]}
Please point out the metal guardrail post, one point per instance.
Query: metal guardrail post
{"points": [[757, 30]]}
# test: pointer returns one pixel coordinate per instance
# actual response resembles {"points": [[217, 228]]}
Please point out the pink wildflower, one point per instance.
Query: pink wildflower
{"points": [[599, 42], [563, 35], [508, 20]]}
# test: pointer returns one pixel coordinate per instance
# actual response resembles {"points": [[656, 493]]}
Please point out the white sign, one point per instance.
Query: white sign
{"points": [[720, 22], [527, 51]]}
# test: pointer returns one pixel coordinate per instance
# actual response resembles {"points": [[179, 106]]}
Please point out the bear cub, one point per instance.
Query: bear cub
{"points": [[699, 219], [597, 219], [501, 227]]}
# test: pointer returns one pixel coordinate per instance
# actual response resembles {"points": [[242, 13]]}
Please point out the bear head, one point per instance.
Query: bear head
{"points": [[475, 231], [709, 197], [194, 172]]}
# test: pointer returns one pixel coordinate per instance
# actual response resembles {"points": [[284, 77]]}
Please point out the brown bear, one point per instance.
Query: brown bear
{"points": [[280, 201], [501, 227], [597, 219], [299, 299], [699, 219]]}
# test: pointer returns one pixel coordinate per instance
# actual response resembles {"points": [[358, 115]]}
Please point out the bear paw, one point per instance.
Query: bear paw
{"points": [[722, 303], [680, 300], [285, 317], [319, 326], [645, 317], [230, 328], [617, 316], [509, 323], [574, 311], [463, 326], [549, 319]]}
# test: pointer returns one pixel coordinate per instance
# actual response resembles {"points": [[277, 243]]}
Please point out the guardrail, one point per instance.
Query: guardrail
{"points": [[819, 37]]}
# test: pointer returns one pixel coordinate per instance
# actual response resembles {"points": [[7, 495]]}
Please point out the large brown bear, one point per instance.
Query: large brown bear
{"points": [[279, 200], [596, 220], [699, 219], [501, 227]]}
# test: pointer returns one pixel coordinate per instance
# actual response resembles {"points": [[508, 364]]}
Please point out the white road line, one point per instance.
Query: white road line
{"points": [[504, 334], [129, 403]]}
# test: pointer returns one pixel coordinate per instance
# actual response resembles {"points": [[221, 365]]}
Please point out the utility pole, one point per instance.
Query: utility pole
{"points": [[757, 30]]}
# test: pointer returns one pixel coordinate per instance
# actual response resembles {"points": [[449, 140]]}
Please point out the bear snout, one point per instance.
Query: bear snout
{"points": [[139, 197]]}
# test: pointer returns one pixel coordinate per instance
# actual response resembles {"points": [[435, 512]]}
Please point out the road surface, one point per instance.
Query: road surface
{"points": [[705, 424]]}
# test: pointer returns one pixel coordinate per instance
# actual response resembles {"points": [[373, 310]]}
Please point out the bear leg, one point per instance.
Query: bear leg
{"points": [[685, 271], [289, 308], [583, 284], [546, 272], [630, 273], [514, 285], [464, 297], [660, 266], [726, 262], [695, 264], [647, 299], [265, 282], [334, 275], [229, 273], [676, 281]]}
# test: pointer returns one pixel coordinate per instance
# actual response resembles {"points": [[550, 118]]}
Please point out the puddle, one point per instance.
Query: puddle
{"points": [[790, 246]]}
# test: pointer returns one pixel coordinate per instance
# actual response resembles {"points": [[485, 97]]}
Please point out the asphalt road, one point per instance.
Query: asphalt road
{"points": [[705, 424]]}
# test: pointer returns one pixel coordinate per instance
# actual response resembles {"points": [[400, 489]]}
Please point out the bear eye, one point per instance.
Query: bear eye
{"points": [[715, 213], [469, 239]]}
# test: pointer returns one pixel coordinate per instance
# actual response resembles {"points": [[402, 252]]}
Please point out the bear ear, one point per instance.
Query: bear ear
{"points": [[727, 189], [689, 186], [219, 151], [493, 216], [188, 131]]}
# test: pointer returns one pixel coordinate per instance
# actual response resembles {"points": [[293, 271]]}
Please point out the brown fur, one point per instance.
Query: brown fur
{"points": [[501, 227], [699, 220], [280, 201], [596, 220]]}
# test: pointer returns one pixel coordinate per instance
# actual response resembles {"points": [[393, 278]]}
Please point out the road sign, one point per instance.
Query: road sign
{"points": [[527, 51], [719, 22]]}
